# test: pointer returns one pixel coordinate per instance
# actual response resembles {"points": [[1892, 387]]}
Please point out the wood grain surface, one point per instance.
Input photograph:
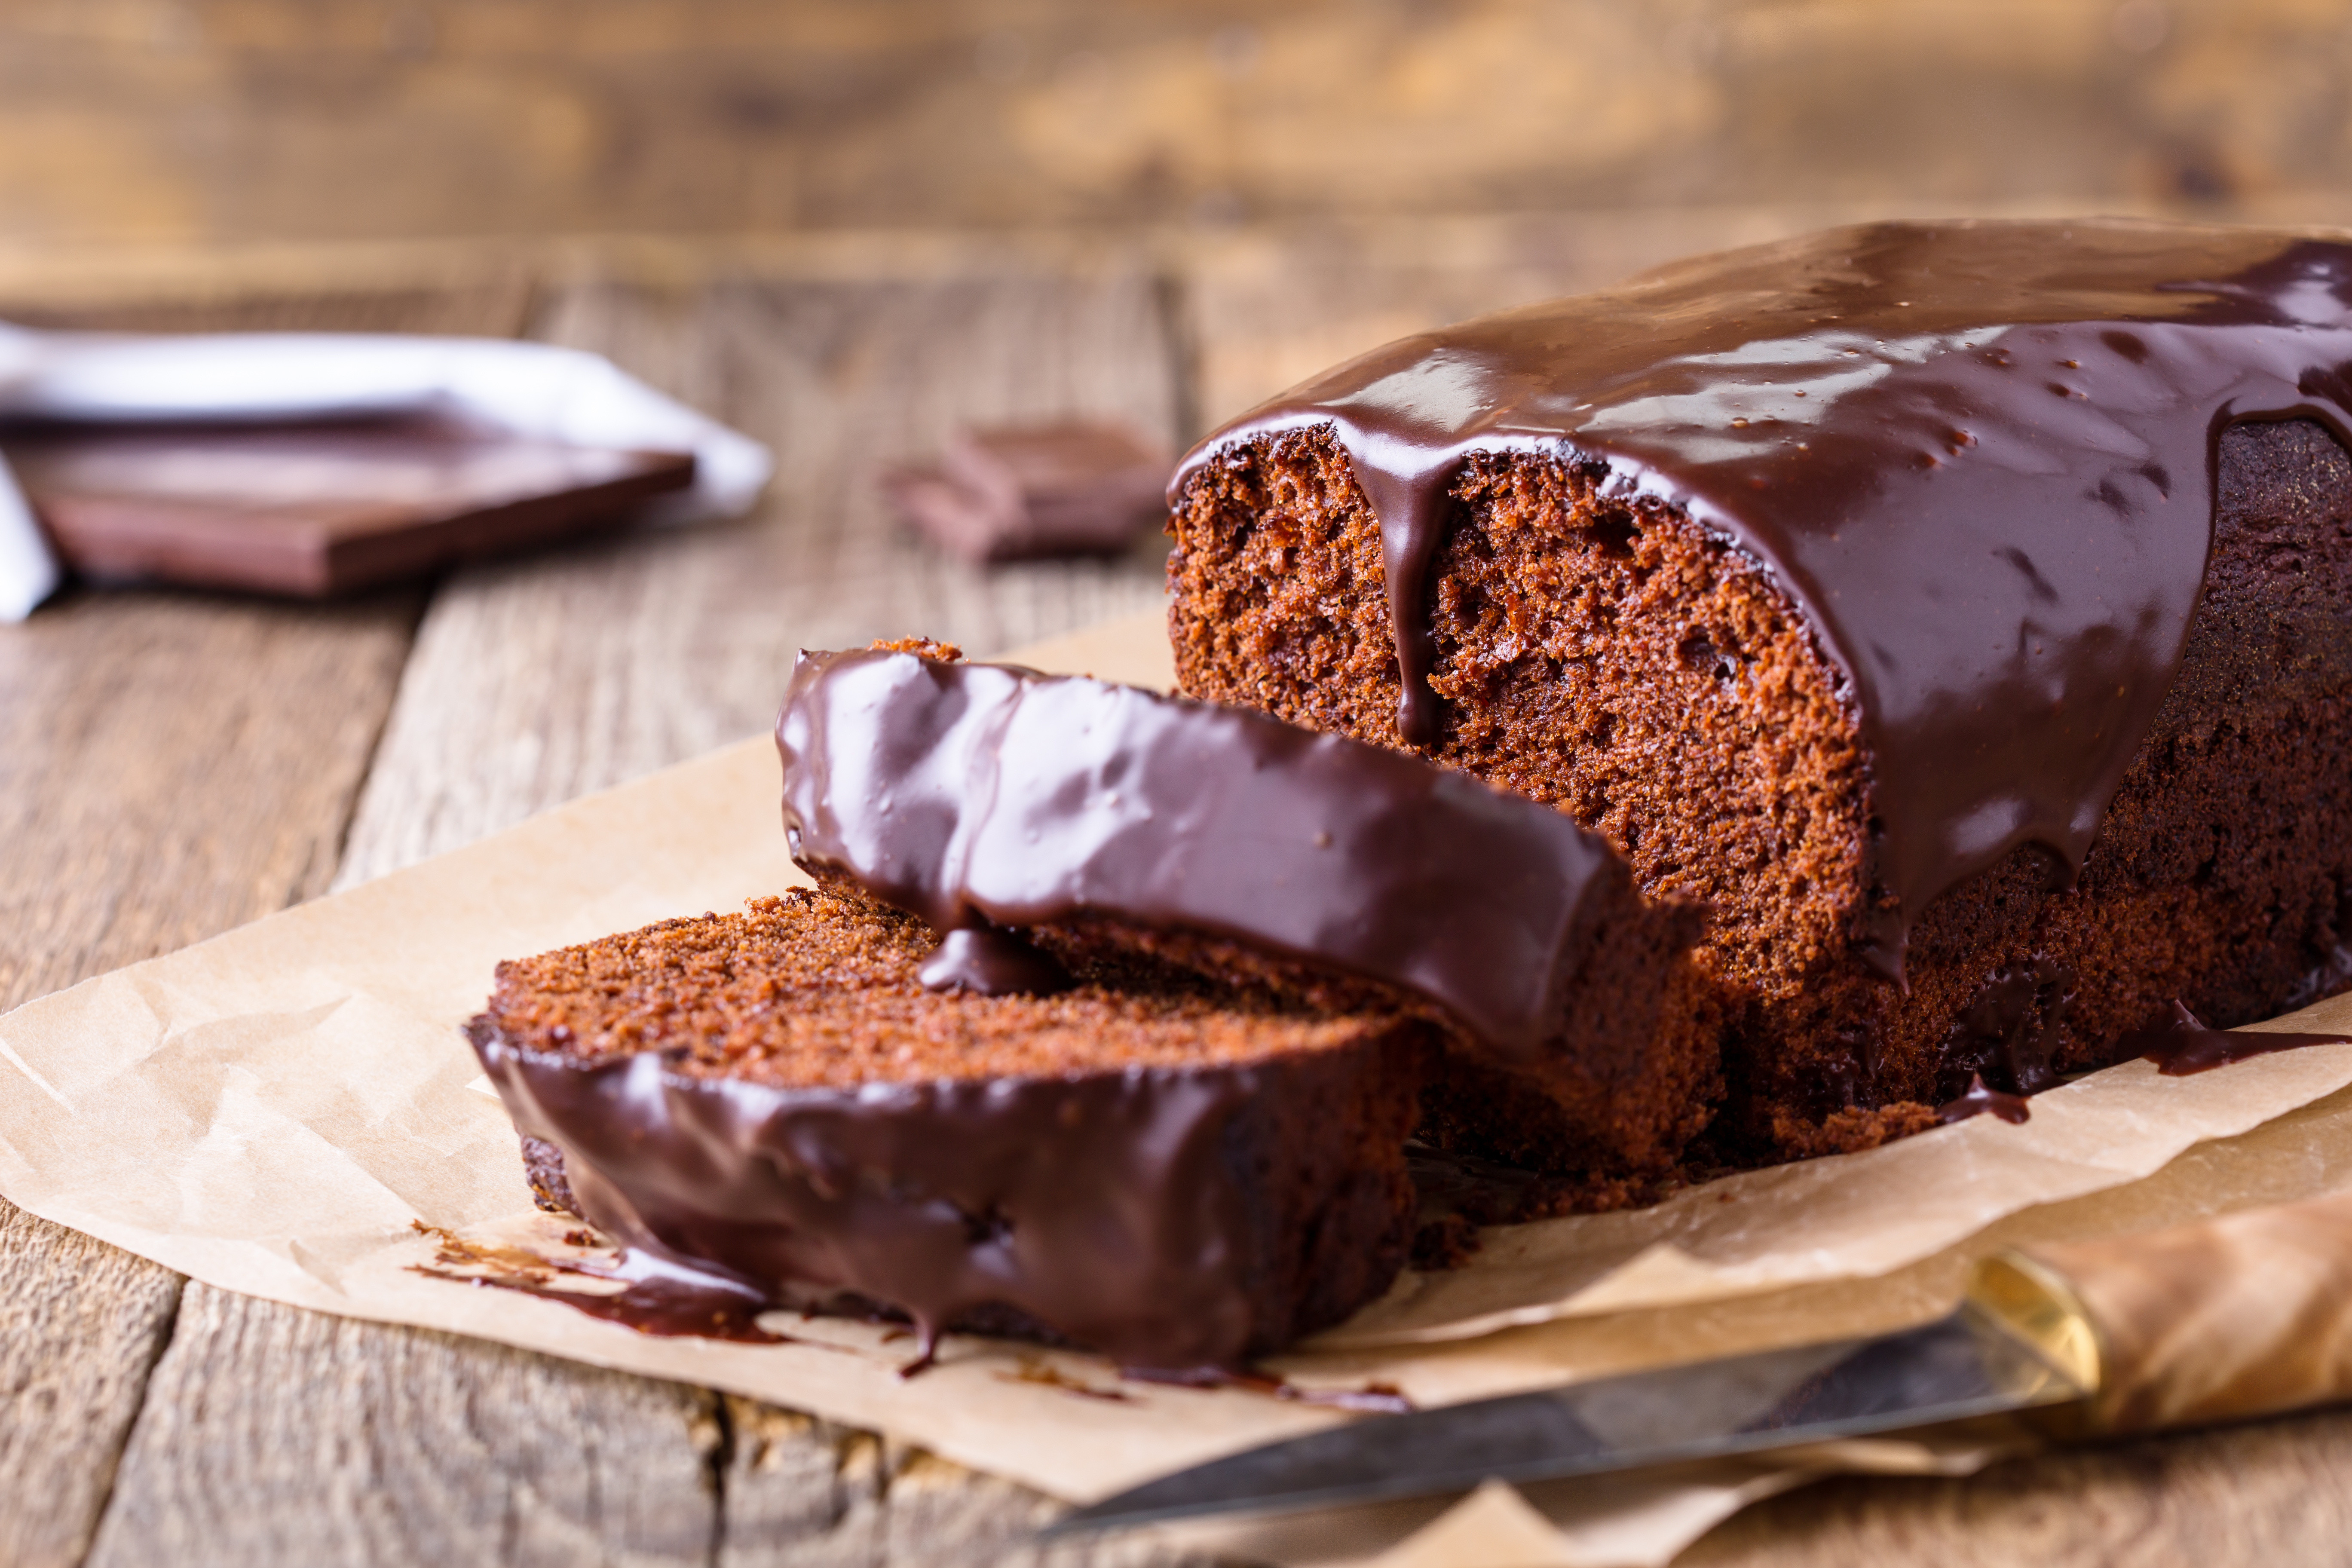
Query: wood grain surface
{"points": [[274, 1436], [80, 1326], [2265, 1496], [153, 119], [170, 766], [536, 682]]}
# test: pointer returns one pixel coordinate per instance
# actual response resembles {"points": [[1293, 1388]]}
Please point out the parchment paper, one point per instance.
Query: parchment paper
{"points": [[271, 1111]]}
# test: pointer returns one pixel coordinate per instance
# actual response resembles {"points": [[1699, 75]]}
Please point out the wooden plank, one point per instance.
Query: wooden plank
{"points": [[273, 1435], [2270, 1493], [81, 1325], [170, 765], [454, 288], [536, 682], [805, 1493], [227, 119]]}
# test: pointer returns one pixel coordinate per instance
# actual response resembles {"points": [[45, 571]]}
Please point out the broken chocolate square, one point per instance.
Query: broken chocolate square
{"points": [[1014, 492], [316, 508]]}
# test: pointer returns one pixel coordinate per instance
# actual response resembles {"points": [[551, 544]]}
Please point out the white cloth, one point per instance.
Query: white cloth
{"points": [[533, 389]]}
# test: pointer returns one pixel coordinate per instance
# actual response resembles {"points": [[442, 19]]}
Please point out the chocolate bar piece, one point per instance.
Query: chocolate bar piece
{"points": [[1007, 493], [316, 508]]}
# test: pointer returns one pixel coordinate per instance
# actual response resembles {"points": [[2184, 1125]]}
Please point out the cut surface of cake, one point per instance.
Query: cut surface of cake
{"points": [[1176, 1173], [1957, 612], [1104, 821]]}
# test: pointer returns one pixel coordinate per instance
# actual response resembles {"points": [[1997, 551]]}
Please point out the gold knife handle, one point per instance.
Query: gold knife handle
{"points": [[2239, 1316]]}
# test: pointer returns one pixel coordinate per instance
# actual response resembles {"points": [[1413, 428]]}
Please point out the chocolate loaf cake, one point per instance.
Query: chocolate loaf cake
{"points": [[1098, 821], [1959, 612], [1179, 1174]]}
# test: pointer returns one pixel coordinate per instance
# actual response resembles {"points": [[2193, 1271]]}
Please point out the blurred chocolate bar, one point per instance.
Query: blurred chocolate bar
{"points": [[316, 508], [1009, 492]]}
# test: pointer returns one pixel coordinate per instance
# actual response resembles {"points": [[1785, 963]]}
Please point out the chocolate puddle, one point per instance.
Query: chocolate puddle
{"points": [[1031, 1370], [657, 1298], [2185, 1046], [1978, 1100], [1980, 456], [950, 1198], [654, 1298], [1372, 1398]]}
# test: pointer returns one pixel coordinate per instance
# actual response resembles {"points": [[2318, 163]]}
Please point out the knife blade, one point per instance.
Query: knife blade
{"points": [[2241, 1316], [1957, 1367]]}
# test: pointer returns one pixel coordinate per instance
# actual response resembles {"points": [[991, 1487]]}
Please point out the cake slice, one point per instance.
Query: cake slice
{"points": [[1101, 821], [1179, 1174], [1962, 613]]}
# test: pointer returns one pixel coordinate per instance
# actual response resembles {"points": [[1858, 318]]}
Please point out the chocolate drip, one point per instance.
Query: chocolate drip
{"points": [[655, 1297], [2011, 1031], [1979, 456], [668, 1306], [959, 791], [1104, 1207], [2183, 1045], [991, 963], [1978, 1099]]}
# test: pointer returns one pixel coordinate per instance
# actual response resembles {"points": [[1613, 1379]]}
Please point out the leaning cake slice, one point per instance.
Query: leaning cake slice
{"points": [[1098, 820], [1176, 1173]]}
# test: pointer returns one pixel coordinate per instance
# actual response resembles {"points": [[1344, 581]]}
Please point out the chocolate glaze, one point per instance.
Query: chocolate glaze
{"points": [[2010, 1030], [991, 963], [1105, 1208], [655, 1295], [1978, 1100], [2183, 1045], [665, 1305], [1979, 457], [1372, 1398], [962, 791]]}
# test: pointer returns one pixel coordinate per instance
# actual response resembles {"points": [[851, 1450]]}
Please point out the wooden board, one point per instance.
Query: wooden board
{"points": [[275, 1436], [80, 1326], [171, 765], [535, 683], [2262, 1496], [235, 119]]}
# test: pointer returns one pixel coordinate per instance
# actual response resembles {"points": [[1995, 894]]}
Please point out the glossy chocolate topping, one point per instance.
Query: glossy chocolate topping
{"points": [[991, 963], [1979, 456], [2182, 1045], [978, 791], [1101, 1206], [1980, 1099]]}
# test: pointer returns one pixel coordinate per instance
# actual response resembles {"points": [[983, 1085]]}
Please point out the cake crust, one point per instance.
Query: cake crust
{"points": [[1615, 659], [1178, 1176]]}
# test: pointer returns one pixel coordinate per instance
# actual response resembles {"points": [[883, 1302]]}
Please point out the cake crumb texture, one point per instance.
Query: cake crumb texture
{"points": [[817, 988], [1611, 657]]}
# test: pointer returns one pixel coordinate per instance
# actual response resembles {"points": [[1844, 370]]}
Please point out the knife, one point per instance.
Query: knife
{"points": [[2247, 1315]]}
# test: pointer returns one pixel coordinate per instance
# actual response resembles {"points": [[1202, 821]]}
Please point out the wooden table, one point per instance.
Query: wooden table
{"points": [[173, 764]]}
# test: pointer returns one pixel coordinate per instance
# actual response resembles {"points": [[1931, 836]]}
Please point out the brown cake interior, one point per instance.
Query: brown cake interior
{"points": [[817, 990], [1611, 657], [1629, 1080]]}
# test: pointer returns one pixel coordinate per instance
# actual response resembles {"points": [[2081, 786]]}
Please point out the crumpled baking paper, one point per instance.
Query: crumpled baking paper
{"points": [[275, 1110]]}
